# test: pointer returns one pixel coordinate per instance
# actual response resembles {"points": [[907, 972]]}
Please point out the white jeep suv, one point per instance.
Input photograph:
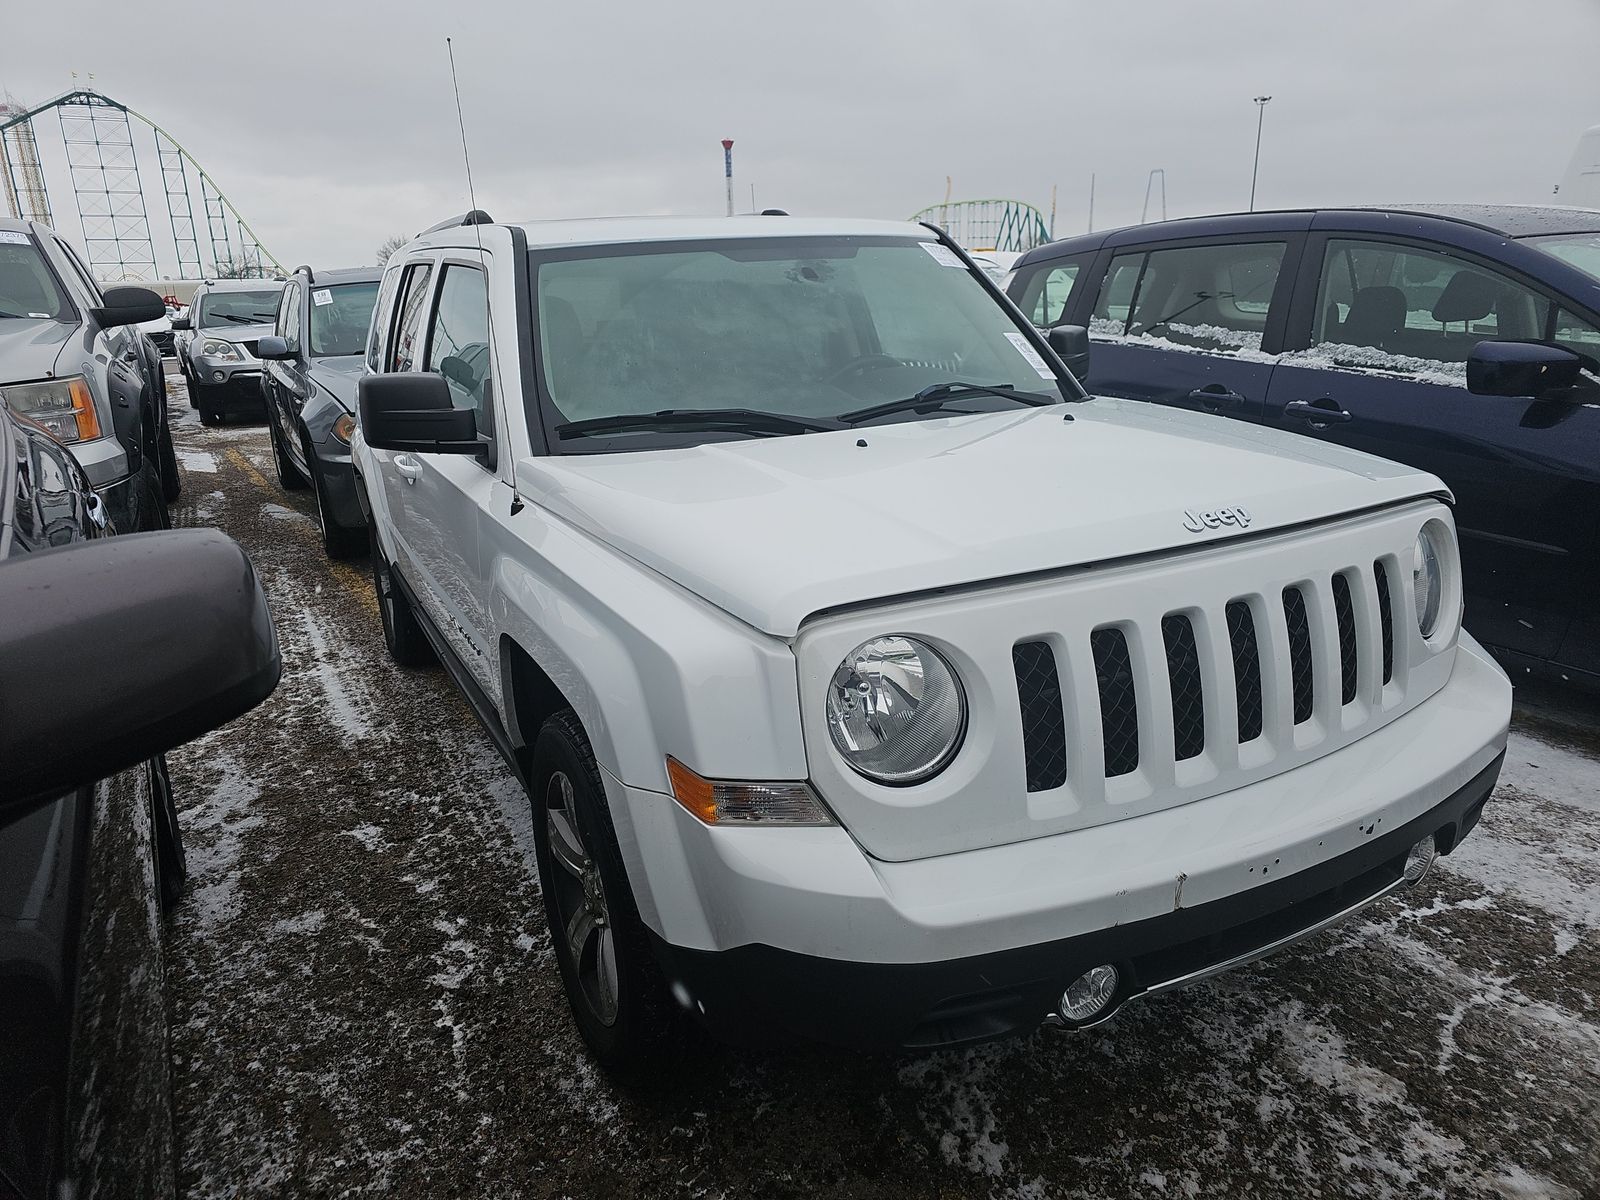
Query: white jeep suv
{"points": [[871, 683]]}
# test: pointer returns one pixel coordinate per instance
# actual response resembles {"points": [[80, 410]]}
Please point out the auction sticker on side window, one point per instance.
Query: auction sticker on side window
{"points": [[322, 296], [943, 255], [10, 237], [1032, 355]]}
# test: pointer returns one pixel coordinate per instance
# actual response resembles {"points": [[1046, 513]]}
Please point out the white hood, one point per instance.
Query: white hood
{"points": [[772, 530]]}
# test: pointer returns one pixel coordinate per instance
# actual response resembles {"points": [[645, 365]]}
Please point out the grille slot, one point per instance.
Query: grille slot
{"points": [[1188, 694], [1044, 726], [1301, 673], [1246, 669], [1119, 711], [1344, 612], [1385, 618]]}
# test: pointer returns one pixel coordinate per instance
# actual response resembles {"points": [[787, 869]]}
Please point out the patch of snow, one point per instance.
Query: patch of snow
{"points": [[279, 513], [198, 460], [307, 922]]}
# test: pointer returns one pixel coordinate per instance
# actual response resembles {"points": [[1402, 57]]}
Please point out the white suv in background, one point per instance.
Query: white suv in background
{"points": [[868, 681]]}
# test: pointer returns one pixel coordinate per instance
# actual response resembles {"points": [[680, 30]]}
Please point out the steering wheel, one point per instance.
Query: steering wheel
{"points": [[860, 366]]}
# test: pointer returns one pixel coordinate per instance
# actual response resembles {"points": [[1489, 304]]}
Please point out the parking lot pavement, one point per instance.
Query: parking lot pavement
{"points": [[364, 997]]}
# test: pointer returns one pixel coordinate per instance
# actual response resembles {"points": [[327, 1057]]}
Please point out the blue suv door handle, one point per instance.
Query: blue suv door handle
{"points": [[1216, 397], [1317, 413]]}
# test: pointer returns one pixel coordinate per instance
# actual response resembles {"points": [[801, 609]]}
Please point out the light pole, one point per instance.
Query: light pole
{"points": [[1261, 112]]}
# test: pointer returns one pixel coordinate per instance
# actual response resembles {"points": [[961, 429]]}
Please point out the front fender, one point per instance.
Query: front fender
{"points": [[650, 669]]}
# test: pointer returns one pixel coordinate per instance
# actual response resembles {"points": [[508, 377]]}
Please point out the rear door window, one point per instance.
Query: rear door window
{"points": [[1212, 297], [406, 348], [380, 319]]}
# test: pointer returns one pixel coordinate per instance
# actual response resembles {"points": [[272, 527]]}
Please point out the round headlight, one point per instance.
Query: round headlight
{"points": [[896, 710], [1427, 581]]}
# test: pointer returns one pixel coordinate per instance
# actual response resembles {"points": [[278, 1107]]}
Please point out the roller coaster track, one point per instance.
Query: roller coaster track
{"points": [[102, 160]]}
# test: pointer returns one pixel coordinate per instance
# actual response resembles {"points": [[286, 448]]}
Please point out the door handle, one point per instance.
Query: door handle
{"points": [[410, 469], [1319, 414], [1215, 397]]}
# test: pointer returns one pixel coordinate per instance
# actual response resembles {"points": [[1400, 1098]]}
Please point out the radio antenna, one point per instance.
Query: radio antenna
{"points": [[477, 230]]}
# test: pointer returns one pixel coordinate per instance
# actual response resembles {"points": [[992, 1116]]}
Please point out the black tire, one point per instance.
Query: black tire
{"points": [[402, 634], [171, 862], [339, 541], [288, 474], [150, 507], [628, 1022], [171, 477]]}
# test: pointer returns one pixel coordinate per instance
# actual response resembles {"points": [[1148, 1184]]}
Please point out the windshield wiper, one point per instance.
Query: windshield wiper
{"points": [[743, 420], [236, 318], [936, 395]]}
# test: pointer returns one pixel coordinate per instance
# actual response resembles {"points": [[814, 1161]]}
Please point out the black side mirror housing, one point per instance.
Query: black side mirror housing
{"points": [[1071, 344], [273, 346], [1527, 370], [411, 411], [115, 651], [182, 323], [128, 306]]}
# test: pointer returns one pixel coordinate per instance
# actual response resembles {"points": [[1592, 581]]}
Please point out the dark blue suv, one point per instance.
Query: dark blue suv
{"points": [[1462, 340]]}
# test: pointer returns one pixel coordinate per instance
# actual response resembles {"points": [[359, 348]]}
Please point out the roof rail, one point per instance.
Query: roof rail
{"points": [[306, 267], [476, 217]]}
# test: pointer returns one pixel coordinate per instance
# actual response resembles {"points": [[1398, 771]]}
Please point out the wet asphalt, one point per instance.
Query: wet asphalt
{"points": [[364, 999]]}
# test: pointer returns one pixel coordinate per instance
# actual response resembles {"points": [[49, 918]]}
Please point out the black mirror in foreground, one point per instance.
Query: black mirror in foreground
{"points": [[273, 347], [128, 306], [1522, 369], [1071, 343], [121, 649], [411, 411]]}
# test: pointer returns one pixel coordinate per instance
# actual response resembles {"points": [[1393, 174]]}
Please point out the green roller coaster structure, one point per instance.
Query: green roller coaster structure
{"points": [[102, 160], [1002, 225]]}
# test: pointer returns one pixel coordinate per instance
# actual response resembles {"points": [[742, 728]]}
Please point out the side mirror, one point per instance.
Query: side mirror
{"points": [[181, 323], [128, 306], [1522, 369], [411, 410], [1071, 343], [273, 346], [118, 650]]}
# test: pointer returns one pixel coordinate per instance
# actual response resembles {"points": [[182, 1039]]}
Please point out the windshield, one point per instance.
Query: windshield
{"points": [[340, 316], [1581, 250], [238, 308], [810, 329], [27, 288]]}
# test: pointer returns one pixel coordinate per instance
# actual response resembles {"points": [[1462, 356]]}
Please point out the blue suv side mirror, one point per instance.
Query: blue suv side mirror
{"points": [[1523, 369]]}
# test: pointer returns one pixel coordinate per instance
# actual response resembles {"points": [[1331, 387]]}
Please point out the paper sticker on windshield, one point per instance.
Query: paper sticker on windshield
{"points": [[1032, 355], [322, 296], [943, 255], [10, 237]]}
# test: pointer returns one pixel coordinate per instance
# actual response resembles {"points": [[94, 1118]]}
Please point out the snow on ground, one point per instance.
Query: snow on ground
{"points": [[365, 1000]]}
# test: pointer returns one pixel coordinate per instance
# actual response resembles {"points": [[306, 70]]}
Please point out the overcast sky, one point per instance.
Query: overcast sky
{"points": [[331, 124]]}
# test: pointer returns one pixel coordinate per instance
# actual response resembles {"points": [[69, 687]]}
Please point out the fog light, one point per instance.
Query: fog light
{"points": [[1419, 860], [1090, 995], [218, 376]]}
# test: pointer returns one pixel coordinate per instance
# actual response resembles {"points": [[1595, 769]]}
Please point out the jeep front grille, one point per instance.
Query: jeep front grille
{"points": [[1266, 649]]}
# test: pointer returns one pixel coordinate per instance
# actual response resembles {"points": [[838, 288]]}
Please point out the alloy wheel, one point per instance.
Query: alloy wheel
{"points": [[581, 902]]}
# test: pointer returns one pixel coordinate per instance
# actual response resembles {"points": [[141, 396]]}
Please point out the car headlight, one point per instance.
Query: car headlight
{"points": [[62, 407], [226, 351], [896, 710], [1429, 559]]}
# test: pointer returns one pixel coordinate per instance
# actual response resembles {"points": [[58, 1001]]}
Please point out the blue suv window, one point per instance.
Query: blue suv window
{"points": [[1404, 308], [1212, 297]]}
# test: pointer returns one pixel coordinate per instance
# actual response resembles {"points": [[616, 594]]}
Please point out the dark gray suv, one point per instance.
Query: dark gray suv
{"points": [[74, 363], [313, 360]]}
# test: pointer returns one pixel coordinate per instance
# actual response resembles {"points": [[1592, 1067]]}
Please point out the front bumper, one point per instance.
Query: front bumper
{"points": [[798, 930], [239, 389]]}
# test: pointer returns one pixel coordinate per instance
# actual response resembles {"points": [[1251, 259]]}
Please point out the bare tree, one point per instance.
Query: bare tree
{"points": [[233, 268], [389, 246]]}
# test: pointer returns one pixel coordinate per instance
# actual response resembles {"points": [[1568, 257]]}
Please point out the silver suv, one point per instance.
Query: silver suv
{"points": [[217, 346], [73, 362]]}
